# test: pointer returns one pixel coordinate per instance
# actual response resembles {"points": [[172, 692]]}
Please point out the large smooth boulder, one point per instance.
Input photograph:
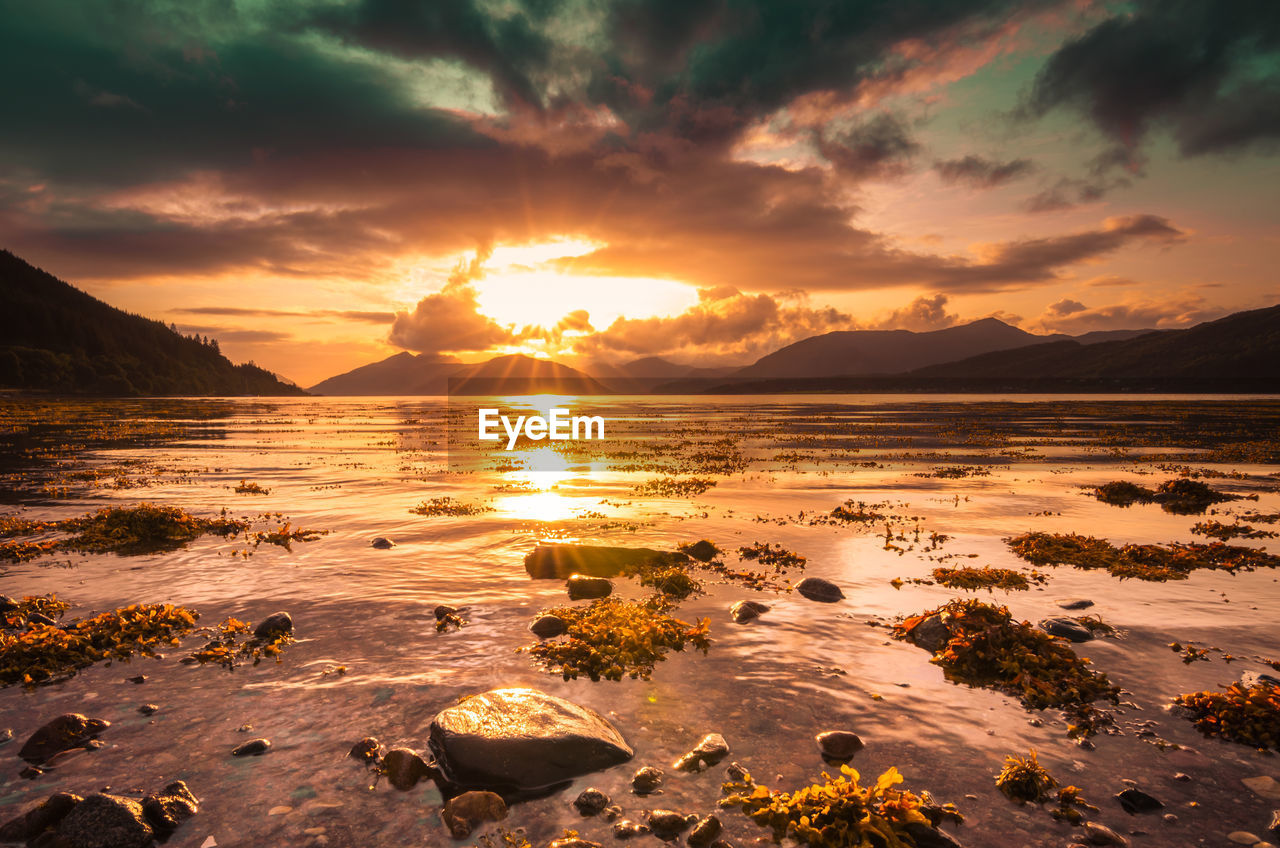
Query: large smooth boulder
{"points": [[522, 740], [554, 561], [105, 821], [67, 731]]}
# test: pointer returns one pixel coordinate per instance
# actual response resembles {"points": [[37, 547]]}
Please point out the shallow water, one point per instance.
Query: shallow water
{"points": [[356, 467]]}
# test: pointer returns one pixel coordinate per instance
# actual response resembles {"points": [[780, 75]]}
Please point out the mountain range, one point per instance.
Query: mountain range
{"points": [[57, 338]]}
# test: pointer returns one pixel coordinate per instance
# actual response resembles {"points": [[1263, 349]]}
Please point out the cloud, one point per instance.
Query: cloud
{"points": [[230, 334], [370, 317], [874, 149], [921, 315], [1074, 318], [449, 321], [1205, 71], [980, 172], [725, 323]]}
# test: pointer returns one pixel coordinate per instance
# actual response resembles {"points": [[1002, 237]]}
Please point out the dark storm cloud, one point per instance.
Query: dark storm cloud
{"points": [[1206, 70], [981, 172], [879, 147]]}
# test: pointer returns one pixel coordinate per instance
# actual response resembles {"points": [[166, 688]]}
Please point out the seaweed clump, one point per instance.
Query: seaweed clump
{"points": [[233, 642], [981, 645], [1174, 561], [612, 637], [1181, 496], [144, 528], [1024, 780], [675, 487], [44, 653], [450, 507], [1249, 715], [838, 812], [775, 556], [1226, 532], [988, 578]]}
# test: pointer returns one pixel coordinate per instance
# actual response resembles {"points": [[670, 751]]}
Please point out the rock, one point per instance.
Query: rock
{"points": [[7, 604], [6, 736], [164, 811], [1066, 628], [646, 781], [1243, 837], [927, 836], [817, 589], [105, 821], [736, 772], [404, 768], [1249, 679], [252, 748], [1075, 603], [744, 611], [1136, 801], [574, 842], [581, 586], [626, 829], [138, 678], [932, 633], [464, 812], [704, 832], [1263, 785], [148, 709], [40, 618], [274, 625], [667, 823], [71, 730], [711, 750], [40, 818], [522, 740], [839, 745], [1274, 827], [548, 626], [590, 802], [367, 750], [1182, 776], [556, 561], [702, 550], [1169, 818], [382, 543], [1099, 834], [443, 611]]}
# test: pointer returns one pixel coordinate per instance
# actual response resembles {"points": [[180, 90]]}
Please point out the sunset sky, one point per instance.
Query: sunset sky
{"points": [[320, 184]]}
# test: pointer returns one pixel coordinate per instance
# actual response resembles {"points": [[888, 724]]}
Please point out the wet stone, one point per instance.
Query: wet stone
{"points": [[818, 589], [1136, 801], [702, 550], [590, 802], [704, 832], [932, 633], [382, 543], [1274, 827], [548, 626], [711, 750], [274, 625], [148, 709], [40, 818], [1100, 834], [463, 813], [67, 731], [839, 745], [744, 611], [105, 821], [581, 587], [404, 768], [646, 781], [1074, 603], [366, 750], [1243, 837], [574, 842], [252, 748], [166, 810], [1066, 628], [667, 823], [522, 740], [627, 829]]}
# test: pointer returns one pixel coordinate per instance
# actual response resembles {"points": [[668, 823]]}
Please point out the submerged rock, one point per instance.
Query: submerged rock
{"points": [[548, 626], [1075, 603], [667, 823], [252, 748], [711, 750], [818, 589], [404, 768], [931, 633], [744, 611], [1066, 628], [590, 802], [1100, 834], [382, 543], [704, 832], [67, 731], [463, 813], [1136, 801], [927, 836], [574, 842], [367, 750], [627, 829], [105, 821], [647, 780], [40, 818], [549, 562], [702, 550], [581, 586], [167, 809], [839, 745], [522, 740], [273, 625], [148, 709]]}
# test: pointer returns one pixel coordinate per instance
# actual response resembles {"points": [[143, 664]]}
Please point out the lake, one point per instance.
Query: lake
{"points": [[949, 479]]}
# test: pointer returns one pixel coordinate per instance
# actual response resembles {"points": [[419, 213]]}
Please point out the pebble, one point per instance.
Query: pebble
{"points": [[744, 611], [711, 750], [626, 829], [548, 626], [1136, 801], [382, 543], [366, 750], [646, 781], [1066, 628], [1243, 837], [6, 735], [667, 822], [574, 842], [138, 678], [590, 802], [1099, 834], [273, 625], [1274, 827], [254, 747], [465, 812], [839, 744], [148, 709], [704, 832], [1169, 818], [581, 587], [403, 768], [279, 811], [1263, 785], [1074, 603], [1182, 777], [817, 589]]}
